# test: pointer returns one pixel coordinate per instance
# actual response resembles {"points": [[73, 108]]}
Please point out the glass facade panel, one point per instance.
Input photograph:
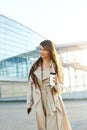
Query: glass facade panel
{"points": [[18, 46]]}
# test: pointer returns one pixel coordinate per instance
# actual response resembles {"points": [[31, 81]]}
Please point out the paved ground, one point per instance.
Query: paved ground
{"points": [[13, 115]]}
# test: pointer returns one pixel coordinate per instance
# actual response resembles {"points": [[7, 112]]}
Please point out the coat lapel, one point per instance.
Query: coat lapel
{"points": [[38, 71], [38, 74]]}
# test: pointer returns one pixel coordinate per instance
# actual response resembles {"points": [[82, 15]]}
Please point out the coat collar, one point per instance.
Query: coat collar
{"points": [[38, 72]]}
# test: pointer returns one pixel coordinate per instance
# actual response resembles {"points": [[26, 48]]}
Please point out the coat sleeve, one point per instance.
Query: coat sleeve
{"points": [[59, 87], [30, 94]]}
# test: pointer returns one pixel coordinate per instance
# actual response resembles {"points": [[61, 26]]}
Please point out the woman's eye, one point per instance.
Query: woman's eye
{"points": [[43, 49]]}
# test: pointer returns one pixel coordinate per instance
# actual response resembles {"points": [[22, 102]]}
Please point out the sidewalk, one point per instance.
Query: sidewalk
{"points": [[13, 115]]}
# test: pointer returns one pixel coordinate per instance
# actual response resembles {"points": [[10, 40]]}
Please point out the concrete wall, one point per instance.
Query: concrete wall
{"points": [[17, 90]]}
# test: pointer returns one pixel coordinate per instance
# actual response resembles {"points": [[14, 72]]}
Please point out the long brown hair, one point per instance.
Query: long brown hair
{"points": [[47, 44]]}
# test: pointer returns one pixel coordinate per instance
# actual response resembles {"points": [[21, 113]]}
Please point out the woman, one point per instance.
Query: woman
{"points": [[49, 107]]}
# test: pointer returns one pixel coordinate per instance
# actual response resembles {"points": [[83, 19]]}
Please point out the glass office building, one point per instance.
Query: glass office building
{"points": [[17, 43], [73, 57], [19, 49]]}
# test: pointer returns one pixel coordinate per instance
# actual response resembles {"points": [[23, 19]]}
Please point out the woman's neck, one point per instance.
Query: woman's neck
{"points": [[46, 63], [46, 60]]}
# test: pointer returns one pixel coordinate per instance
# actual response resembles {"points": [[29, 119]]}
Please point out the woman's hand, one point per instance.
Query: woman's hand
{"points": [[55, 79], [29, 110]]}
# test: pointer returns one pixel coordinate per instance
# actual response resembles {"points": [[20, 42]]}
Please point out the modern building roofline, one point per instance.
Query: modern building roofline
{"points": [[23, 25]]}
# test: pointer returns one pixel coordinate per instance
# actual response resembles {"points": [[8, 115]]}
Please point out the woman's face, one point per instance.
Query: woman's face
{"points": [[44, 53]]}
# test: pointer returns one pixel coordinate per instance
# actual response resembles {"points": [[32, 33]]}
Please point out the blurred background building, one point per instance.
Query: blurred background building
{"points": [[19, 49]]}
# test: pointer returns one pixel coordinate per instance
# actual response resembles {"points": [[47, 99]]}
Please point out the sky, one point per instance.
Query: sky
{"points": [[62, 21]]}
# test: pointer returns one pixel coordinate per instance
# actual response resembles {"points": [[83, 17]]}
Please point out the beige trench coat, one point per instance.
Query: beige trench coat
{"points": [[34, 98]]}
